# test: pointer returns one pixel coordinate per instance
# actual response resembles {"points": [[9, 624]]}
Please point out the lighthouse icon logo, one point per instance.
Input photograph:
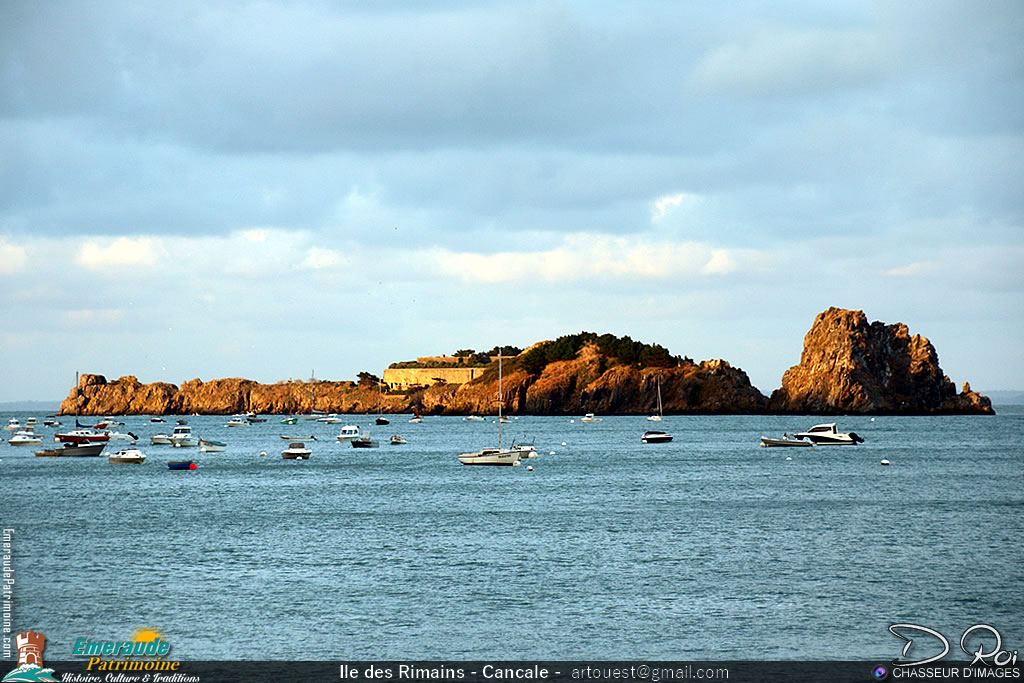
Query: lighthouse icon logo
{"points": [[30, 660]]}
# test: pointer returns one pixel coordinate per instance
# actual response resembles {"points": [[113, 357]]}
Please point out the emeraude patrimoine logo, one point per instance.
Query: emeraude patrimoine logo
{"points": [[30, 660]]}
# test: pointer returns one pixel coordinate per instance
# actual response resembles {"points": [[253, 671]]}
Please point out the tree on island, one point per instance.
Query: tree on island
{"points": [[368, 379]]}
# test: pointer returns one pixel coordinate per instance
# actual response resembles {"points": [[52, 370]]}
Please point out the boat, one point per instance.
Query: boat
{"points": [[526, 449], [127, 455], [348, 432], [657, 418], [124, 436], [285, 437], [209, 446], [828, 434], [655, 437], [473, 418], [364, 441], [160, 440], [296, 451], [398, 440], [589, 417], [313, 413], [182, 465], [253, 418], [51, 422], [785, 441], [237, 421], [289, 420], [13, 425], [156, 418], [331, 419], [82, 436], [31, 422], [26, 438], [75, 450], [494, 455], [416, 418], [381, 420], [182, 437]]}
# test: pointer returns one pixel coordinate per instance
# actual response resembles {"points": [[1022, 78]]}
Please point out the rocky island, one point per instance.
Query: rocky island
{"points": [[848, 365]]}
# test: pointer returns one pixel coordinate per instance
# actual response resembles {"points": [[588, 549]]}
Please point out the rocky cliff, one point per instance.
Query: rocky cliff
{"points": [[590, 384], [127, 396], [849, 365]]}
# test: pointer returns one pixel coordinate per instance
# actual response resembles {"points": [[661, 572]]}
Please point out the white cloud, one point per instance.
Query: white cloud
{"points": [[123, 251], [722, 262], [584, 256], [908, 270], [318, 258], [669, 202], [780, 61], [12, 258], [89, 317]]}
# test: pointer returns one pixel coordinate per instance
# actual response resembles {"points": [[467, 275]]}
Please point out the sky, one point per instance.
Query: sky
{"points": [[273, 190]]}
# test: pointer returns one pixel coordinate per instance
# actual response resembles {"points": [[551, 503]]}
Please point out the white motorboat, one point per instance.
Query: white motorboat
{"points": [[590, 417], [182, 437], [13, 425], [127, 455], [51, 422], [655, 437], [526, 449], [123, 436], [296, 451], [26, 438], [494, 455], [160, 440], [348, 433], [237, 421], [828, 434], [31, 422], [331, 419], [398, 440], [785, 441], [473, 418], [208, 446], [156, 418]]}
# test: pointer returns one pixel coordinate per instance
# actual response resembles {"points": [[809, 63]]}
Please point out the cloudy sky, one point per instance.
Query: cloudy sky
{"points": [[268, 189]]}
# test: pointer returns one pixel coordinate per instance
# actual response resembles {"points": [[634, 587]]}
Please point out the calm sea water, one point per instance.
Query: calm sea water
{"points": [[704, 548]]}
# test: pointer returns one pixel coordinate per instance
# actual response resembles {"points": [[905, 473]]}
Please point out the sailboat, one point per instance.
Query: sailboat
{"points": [[314, 414], [499, 455], [657, 418], [381, 420]]}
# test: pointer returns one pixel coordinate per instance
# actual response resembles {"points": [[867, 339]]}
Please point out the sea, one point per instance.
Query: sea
{"points": [[705, 548]]}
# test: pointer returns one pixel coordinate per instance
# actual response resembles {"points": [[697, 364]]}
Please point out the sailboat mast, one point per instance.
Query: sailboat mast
{"points": [[500, 401]]}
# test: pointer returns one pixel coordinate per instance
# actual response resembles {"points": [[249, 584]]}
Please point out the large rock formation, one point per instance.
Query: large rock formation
{"points": [[849, 365], [591, 383], [94, 395]]}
